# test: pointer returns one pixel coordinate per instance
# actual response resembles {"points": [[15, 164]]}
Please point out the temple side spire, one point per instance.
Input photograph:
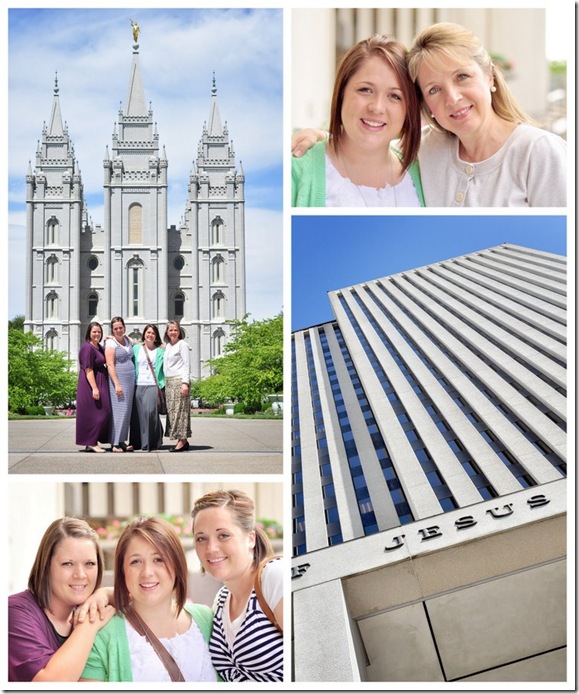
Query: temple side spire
{"points": [[55, 127]]}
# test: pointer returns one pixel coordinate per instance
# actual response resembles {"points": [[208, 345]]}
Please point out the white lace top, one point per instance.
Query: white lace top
{"points": [[341, 192], [189, 650]]}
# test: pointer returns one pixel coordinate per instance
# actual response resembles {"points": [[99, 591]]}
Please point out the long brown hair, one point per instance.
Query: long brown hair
{"points": [[242, 511], [57, 531], [393, 53]]}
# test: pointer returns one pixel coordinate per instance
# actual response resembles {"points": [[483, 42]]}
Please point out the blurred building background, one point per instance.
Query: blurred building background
{"points": [[105, 505], [514, 37]]}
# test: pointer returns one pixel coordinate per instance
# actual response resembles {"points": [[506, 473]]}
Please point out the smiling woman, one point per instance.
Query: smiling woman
{"points": [[373, 104], [43, 644], [491, 152], [247, 639], [155, 636]]}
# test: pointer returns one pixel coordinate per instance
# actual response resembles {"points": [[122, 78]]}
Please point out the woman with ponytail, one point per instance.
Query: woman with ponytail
{"points": [[247, 641]]}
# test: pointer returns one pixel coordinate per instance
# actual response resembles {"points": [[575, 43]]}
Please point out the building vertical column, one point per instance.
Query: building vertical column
{"points": [[328, 648], [28, 302], [163, 313]]}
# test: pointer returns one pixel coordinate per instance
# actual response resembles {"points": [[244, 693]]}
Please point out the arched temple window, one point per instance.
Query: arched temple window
{"points": [[52, 231], [136, 224], [218, 270], [135, 306], [52, 305], [217, 232], [52, 270], [179, 307], [218, 342], [218, 305], [93, 304]]}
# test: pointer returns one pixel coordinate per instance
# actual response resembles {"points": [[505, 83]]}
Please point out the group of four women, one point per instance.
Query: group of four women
{"points": [[64, 627], [118, 389]]}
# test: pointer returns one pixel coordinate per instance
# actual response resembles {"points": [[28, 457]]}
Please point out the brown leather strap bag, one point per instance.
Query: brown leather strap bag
{"points": [[164, 655], [262, 603]]}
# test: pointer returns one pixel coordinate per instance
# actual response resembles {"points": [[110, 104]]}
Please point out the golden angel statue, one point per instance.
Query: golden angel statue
{"points": [[136, 30]]}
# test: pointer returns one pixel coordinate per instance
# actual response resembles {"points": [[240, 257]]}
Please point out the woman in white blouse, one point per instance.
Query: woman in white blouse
{"points": [[146, 425], [177, 378], [153, 616], [374, 105]]}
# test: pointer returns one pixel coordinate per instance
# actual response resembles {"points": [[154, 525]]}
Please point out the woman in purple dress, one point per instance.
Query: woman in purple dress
{"points": [[93, 405], [49, 634]]}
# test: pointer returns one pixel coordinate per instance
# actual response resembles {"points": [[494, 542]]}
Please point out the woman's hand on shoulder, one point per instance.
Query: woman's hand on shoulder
{"points": [[305, 139], [95, 605], [105, 616]]}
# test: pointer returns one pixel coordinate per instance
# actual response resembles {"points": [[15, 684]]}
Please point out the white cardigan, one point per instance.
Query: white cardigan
{"points": [[529, 170]]}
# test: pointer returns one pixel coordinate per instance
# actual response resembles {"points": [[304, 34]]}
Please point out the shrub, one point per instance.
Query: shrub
{"points": [[34, 410], [253, 407]]}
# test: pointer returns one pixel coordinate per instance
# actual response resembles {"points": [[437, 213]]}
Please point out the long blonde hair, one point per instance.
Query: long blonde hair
{"points": [[455, 42]]}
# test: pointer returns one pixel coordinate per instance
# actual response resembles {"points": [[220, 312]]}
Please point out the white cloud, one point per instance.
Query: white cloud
{"points": [[91, 50]]}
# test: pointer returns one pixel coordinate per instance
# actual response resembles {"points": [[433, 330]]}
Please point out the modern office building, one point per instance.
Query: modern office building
{"points": [[428, 476], [134, 264]]}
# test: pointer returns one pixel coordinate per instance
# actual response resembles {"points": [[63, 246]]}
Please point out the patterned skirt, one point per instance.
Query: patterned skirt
{"points": [[178, 424]]}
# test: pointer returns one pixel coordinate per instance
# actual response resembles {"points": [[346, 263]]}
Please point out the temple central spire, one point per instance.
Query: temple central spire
{"points": [[215, 126], [55, 127]]}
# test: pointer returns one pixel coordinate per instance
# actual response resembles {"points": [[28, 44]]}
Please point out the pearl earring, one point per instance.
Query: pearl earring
{"points": [[493, 88]]}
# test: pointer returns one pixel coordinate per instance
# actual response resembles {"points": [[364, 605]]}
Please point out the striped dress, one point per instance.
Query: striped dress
{"points": [[257, 652], [121, 407]]}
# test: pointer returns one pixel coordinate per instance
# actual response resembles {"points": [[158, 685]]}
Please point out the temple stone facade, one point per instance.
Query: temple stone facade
{"points": [[134, 264]]}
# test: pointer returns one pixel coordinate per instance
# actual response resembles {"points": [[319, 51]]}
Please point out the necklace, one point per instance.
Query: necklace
{"points": [[359, 188]]}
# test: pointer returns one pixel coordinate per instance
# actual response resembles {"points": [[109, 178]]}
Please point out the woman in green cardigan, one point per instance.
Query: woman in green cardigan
{"points": [[150, 597], [374, 104]]}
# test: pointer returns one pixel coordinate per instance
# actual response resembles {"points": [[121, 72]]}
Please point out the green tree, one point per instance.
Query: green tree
{"points": [[17, 323], [252, 364], [37, 376]]}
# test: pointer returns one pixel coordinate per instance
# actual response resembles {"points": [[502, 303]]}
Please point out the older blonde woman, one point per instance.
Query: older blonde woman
{"points": [[177, 380]]}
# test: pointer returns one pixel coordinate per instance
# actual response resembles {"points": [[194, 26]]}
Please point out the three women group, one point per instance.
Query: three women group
{"points": [[118, 389], [436, 125], [65, 628]]}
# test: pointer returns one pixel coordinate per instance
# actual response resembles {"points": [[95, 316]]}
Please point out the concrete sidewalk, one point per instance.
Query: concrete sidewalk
{"points": [[218, 446]]}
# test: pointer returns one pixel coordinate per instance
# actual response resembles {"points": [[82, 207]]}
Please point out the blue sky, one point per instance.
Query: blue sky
{"points": [[333, 252], [91, 50]]}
